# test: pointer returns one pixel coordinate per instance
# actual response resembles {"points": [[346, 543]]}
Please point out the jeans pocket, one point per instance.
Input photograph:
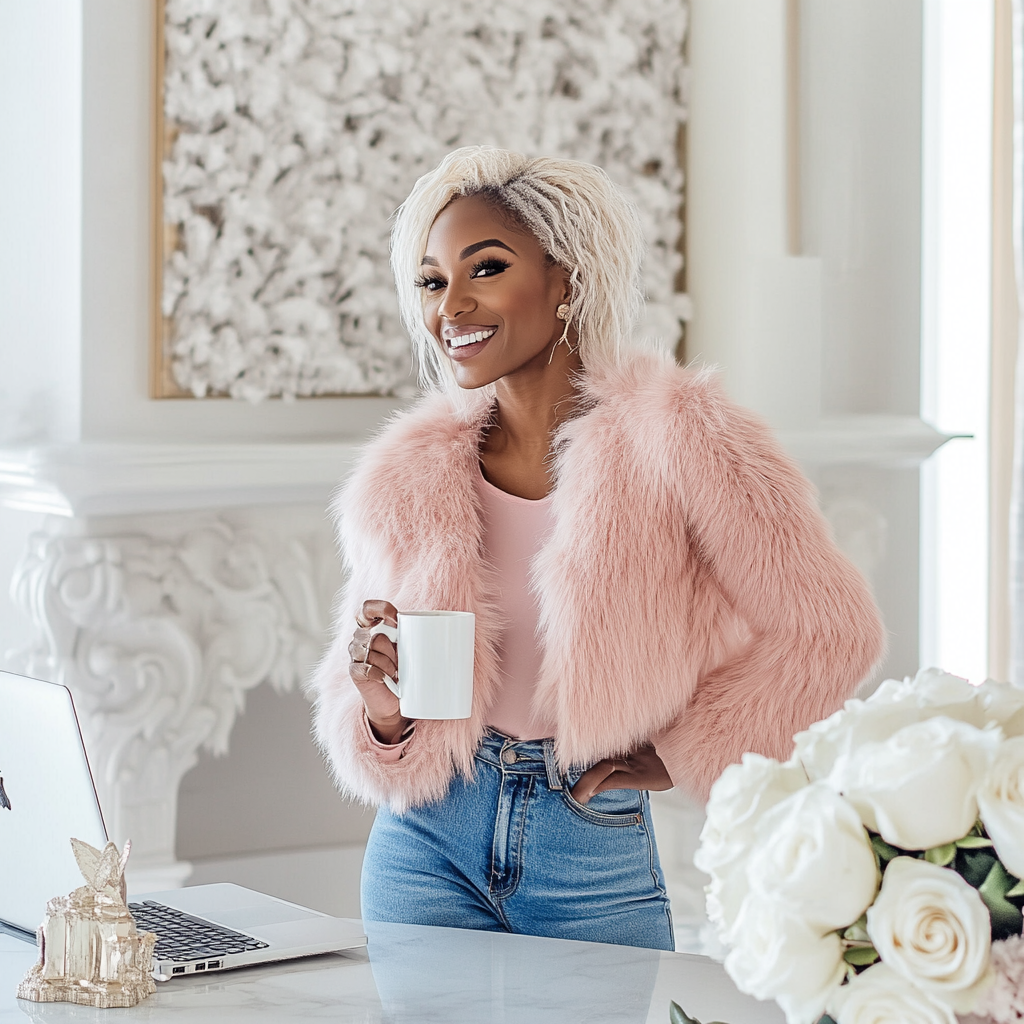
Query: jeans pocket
{"points": [[609, 807]]}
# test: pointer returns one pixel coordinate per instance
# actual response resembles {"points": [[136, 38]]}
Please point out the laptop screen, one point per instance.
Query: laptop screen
{"points": [[47, 797]]}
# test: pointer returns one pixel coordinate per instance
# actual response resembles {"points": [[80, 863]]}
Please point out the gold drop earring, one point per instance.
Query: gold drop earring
{"points": [[562, 312]]}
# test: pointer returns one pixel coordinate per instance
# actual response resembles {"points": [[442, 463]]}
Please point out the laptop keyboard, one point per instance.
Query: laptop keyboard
{"points": [[183, 937]]}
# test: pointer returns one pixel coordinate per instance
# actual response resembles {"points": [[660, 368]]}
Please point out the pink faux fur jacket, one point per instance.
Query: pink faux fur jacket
{"points": [[690, 593]]}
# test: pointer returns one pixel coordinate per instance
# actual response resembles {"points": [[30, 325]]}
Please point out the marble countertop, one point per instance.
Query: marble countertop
{"points": [[410, 974]]}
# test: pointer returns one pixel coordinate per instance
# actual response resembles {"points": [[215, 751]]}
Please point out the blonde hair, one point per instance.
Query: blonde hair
{"points": [[583, 222]]}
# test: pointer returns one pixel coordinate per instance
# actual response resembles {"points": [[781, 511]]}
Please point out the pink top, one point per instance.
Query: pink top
{"points": [[514, 530]]}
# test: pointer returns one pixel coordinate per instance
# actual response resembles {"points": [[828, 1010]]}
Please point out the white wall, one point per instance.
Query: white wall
{"points": [[860, 176], [40, 210], [40, 214]]}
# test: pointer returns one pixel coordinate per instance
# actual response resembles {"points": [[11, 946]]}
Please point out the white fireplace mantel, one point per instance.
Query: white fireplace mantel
{"points": [[97, 479], [865, 439], [106, 479]]}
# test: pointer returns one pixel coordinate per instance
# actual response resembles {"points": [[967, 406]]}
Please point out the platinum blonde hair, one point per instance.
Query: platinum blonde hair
{"points": [[581, 219]]}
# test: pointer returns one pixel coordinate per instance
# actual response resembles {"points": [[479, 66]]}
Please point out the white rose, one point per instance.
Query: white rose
{"points": [[918, 788], [935, 692], [1003, 703], [1001, 803], [933, 929], [740, 796], [894, 705], [881, 996], [814, 857], [781, 957]]}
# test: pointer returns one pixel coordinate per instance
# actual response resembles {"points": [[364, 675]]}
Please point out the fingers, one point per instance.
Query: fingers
{"points": [[641, 769], [590, 782], [373, 612], [377, 650], [374, 668], [382, 706]]}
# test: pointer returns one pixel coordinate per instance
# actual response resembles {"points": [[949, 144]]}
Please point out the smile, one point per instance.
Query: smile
{"points": [[462, 340]]}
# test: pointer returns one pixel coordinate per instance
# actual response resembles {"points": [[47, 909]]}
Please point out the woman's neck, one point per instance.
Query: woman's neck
{"points": [[531, 405]]}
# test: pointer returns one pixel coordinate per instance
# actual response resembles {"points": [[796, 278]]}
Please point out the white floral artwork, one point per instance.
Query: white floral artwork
{"points": [[296, 127]]}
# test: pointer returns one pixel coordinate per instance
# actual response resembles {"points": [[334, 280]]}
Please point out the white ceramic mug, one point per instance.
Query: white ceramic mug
{"points": [[435, 663]]}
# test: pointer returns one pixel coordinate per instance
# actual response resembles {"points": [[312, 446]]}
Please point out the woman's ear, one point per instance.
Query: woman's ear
{"points": [[566, 285]]}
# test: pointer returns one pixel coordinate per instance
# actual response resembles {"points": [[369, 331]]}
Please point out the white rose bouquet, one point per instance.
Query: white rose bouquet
{"points": [[876, 875]]}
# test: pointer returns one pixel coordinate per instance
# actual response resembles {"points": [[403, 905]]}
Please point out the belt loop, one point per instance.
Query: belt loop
{"points": [[555, 777]]}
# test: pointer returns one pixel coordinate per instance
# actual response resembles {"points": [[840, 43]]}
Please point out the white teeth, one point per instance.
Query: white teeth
{"points": [[470, 339]]}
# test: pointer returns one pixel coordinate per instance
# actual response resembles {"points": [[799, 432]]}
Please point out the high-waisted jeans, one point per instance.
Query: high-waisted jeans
{"points": [[510, 850]]}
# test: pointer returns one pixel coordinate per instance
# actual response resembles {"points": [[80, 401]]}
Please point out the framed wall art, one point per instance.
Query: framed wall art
{"points": [[288, 132]]}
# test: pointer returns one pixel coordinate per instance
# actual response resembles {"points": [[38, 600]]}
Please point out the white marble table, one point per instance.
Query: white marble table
{"points": [[411, 974]]}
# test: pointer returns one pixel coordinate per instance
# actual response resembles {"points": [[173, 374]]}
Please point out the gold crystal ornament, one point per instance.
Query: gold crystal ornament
{"points": [[90, 951]]}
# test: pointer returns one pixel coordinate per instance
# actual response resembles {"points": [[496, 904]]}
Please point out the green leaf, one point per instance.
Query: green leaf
{"points": [[975, 865], [1006, 918], [941, 855], [1017, 890], [972, 843], [861, 956], [884, 851], [677, 1015]]}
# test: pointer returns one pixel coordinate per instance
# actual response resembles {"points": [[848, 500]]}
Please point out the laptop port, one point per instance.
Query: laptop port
{"points": [[200, 967], [177, 970], [213, 964]]}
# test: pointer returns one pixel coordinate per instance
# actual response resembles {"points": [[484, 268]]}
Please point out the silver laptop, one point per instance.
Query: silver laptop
{"points": [[47, 796]]}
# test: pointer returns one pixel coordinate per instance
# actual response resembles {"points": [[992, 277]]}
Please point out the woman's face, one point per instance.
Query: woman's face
{"points": [[490, 294]]}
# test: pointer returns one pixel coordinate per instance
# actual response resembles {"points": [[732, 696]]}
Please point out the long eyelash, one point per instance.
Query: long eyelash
{"points": [[422, 282], [491, 263]]}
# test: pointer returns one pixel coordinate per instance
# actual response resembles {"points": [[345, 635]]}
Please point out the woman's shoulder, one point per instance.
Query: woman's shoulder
{"points": [[411, 454], [646, 387]]}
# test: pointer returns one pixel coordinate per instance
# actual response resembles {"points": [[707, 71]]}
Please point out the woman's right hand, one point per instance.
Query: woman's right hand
{"points": [[372, 658]]}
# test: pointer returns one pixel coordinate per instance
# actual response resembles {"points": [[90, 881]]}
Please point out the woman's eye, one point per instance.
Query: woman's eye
{"points": [[431, 284], [488, 268]]}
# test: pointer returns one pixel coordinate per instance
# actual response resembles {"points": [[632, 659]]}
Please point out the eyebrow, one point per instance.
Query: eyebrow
{"points": [[470, 249]]}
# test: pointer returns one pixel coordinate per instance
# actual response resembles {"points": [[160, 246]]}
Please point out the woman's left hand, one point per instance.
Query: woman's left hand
{"points": [[642, 769]]}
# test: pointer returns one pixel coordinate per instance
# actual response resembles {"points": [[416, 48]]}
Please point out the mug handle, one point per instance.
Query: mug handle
{"points": [[392, 634]]}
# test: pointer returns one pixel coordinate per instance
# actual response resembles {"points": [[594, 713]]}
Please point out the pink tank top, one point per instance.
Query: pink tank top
{"points": [[514, 530]]}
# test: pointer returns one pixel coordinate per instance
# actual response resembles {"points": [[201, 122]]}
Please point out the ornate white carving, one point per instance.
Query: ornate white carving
{"points": [[159, 629], [296, 129]]}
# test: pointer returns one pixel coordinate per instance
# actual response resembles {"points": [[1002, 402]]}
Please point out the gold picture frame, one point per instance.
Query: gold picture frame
{"points": [[161, 380]]}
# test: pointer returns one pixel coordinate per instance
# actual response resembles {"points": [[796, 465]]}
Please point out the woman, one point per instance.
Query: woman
{"points": [[655, 590]]}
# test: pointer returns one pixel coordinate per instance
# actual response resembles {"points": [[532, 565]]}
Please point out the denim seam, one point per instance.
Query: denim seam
{"points": [[513, 857], [649, 832]]}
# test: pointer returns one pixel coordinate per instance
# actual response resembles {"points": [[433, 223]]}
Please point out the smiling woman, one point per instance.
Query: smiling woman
{"points": [[655, 591]]}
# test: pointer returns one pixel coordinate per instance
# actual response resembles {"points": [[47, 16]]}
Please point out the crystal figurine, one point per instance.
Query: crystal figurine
{"points": [[90, 951]]}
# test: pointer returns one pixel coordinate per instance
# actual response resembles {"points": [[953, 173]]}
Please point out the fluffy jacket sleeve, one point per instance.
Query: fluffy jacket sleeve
{"points": [[409, 533], [813, 630]]}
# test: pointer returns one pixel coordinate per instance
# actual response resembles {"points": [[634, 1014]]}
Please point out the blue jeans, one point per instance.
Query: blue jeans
{"points": [[510, 850]]}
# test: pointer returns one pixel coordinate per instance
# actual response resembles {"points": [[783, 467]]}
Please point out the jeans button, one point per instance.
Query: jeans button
{"points": [[508, 755]]}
